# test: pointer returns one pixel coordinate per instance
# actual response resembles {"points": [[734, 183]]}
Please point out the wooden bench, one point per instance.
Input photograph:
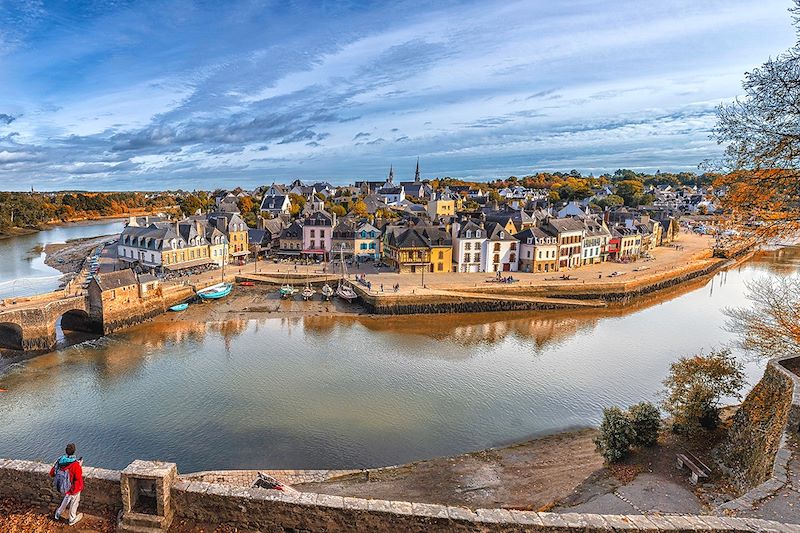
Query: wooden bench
{"points": [[695, 465]]}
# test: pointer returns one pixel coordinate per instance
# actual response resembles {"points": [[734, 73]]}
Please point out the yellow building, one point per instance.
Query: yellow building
{"points": [[441, 208], [418, 249]]}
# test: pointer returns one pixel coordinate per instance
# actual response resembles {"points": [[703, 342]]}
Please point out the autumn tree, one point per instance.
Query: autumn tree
{"points": [[695, 385], [359, 209], [630, 191], [761, 132], [771, 325]]}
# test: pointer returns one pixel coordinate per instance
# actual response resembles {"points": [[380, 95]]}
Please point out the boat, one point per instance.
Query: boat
{"points": [[287, 290], [308, 291], [215, 292], [344, 290], [246, 283], [327, 291], [179, 307]]}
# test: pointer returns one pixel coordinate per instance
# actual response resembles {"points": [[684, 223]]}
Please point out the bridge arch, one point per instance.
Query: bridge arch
{"points": [[10, 336], [73, 326]]}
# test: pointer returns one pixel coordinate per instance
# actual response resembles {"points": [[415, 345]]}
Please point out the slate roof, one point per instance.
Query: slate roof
{"points": [[114, 280]]}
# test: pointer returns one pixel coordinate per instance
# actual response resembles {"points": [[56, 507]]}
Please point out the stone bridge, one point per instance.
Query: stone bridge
{"points": [[31, 326]]}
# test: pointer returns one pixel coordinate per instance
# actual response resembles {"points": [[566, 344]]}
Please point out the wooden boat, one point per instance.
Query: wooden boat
{"points": [[287, 290], [215, 292], [344, 290], [246, 283], [179, 307], [327, 291], [308, 291]]}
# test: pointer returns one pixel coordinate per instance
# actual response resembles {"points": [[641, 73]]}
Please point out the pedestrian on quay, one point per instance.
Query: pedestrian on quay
{"points": [[381, 287], [67, 477]]}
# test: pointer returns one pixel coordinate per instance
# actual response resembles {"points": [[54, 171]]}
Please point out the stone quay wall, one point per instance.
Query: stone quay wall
{"points": [[124, 314], [543, 296], [756, 454], [269, 510]]}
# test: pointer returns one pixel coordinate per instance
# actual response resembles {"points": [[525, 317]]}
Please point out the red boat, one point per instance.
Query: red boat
{"points": [[246, 283]]}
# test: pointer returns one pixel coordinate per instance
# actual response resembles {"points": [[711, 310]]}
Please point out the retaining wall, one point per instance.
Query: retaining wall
{"points": [[756, 454]]}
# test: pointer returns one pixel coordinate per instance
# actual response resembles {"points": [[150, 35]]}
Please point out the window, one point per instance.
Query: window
{"points": [[441, 254], [440, 267], [496, 258], [466, 258], [312, 233], [468, 246], [512, 258], [469, 234], [513, 246], [476, 258], [478, 234], [497, 247], [322, 233]]}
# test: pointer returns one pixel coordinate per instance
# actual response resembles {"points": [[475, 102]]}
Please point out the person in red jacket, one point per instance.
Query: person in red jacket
{"points": [[69, 468]]}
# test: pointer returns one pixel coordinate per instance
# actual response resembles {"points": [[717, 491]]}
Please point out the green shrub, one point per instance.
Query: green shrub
{"points": [[646, 420], [616, 435]]}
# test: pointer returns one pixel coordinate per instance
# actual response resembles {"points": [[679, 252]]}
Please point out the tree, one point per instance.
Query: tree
{"points": [[761, 131], [616, 435], [771, 325], [646, 421], [297, 204], [360, 209], [695, 386], [338, 210], [630, 191]]}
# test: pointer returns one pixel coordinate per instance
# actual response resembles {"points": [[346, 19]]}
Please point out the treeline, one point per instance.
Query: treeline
{"points": [[628, 186], [32, 210]]}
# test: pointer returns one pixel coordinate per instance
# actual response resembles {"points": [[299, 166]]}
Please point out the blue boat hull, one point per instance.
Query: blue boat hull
{"points": [[217, 293], [179, 307]]}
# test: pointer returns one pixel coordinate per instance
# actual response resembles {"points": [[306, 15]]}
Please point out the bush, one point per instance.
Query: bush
{"points": [[646, 420], [616, 435]]}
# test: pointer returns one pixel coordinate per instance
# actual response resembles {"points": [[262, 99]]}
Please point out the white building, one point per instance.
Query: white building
{"points": [[500, 249], [468, 239]]}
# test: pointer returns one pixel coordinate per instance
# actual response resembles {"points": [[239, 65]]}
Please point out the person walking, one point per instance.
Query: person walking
{"points": [[67, 477]]}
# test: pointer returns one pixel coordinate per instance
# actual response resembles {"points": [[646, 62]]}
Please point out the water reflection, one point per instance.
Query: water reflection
{"points": [[337, 392]]}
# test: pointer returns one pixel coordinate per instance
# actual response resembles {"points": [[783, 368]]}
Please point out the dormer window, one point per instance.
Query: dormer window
{"points": [[469, 234], [530, 240]]}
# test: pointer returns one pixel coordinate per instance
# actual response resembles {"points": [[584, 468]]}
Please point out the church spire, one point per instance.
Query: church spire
{"points": [[391, 174], [416, 174]]}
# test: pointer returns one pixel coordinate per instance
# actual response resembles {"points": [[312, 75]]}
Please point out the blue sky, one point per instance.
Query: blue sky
{"points": [[119, 95]]}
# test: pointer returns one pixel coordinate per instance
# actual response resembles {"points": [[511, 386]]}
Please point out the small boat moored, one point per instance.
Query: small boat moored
{"points": [[327, 291], [215, 292], [179, 307]]}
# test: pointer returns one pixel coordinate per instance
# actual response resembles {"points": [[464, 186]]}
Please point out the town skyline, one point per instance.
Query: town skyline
{"points": [[145, 97]]}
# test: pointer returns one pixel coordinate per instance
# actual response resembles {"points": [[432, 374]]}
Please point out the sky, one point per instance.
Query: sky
{"points": [[118, 95]]}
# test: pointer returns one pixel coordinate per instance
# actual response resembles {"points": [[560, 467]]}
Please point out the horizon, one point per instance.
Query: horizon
{"points": [[150, 96]]}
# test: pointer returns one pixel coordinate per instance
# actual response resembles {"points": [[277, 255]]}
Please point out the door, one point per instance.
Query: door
{"points": [[506, 267]]}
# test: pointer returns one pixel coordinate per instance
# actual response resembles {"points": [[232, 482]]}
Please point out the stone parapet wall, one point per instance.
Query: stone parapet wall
{"points": [[123, 314], [269, 510], [29, 482], [756, 453]]}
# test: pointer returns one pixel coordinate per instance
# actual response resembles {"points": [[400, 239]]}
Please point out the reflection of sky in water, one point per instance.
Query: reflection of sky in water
{"points": [[329, 392], [22, 268]]}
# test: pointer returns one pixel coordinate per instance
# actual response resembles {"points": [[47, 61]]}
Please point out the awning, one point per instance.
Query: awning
{"points": [[189, 264], [288, 252], [239, 254], [315, 251]]}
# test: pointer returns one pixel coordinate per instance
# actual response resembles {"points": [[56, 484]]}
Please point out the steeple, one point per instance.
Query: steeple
{"points": [[416, 174], [391, 175]]}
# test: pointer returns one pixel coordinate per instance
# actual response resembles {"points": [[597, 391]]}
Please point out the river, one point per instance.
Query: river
{"points": [[345, 392], [22, 268]]}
